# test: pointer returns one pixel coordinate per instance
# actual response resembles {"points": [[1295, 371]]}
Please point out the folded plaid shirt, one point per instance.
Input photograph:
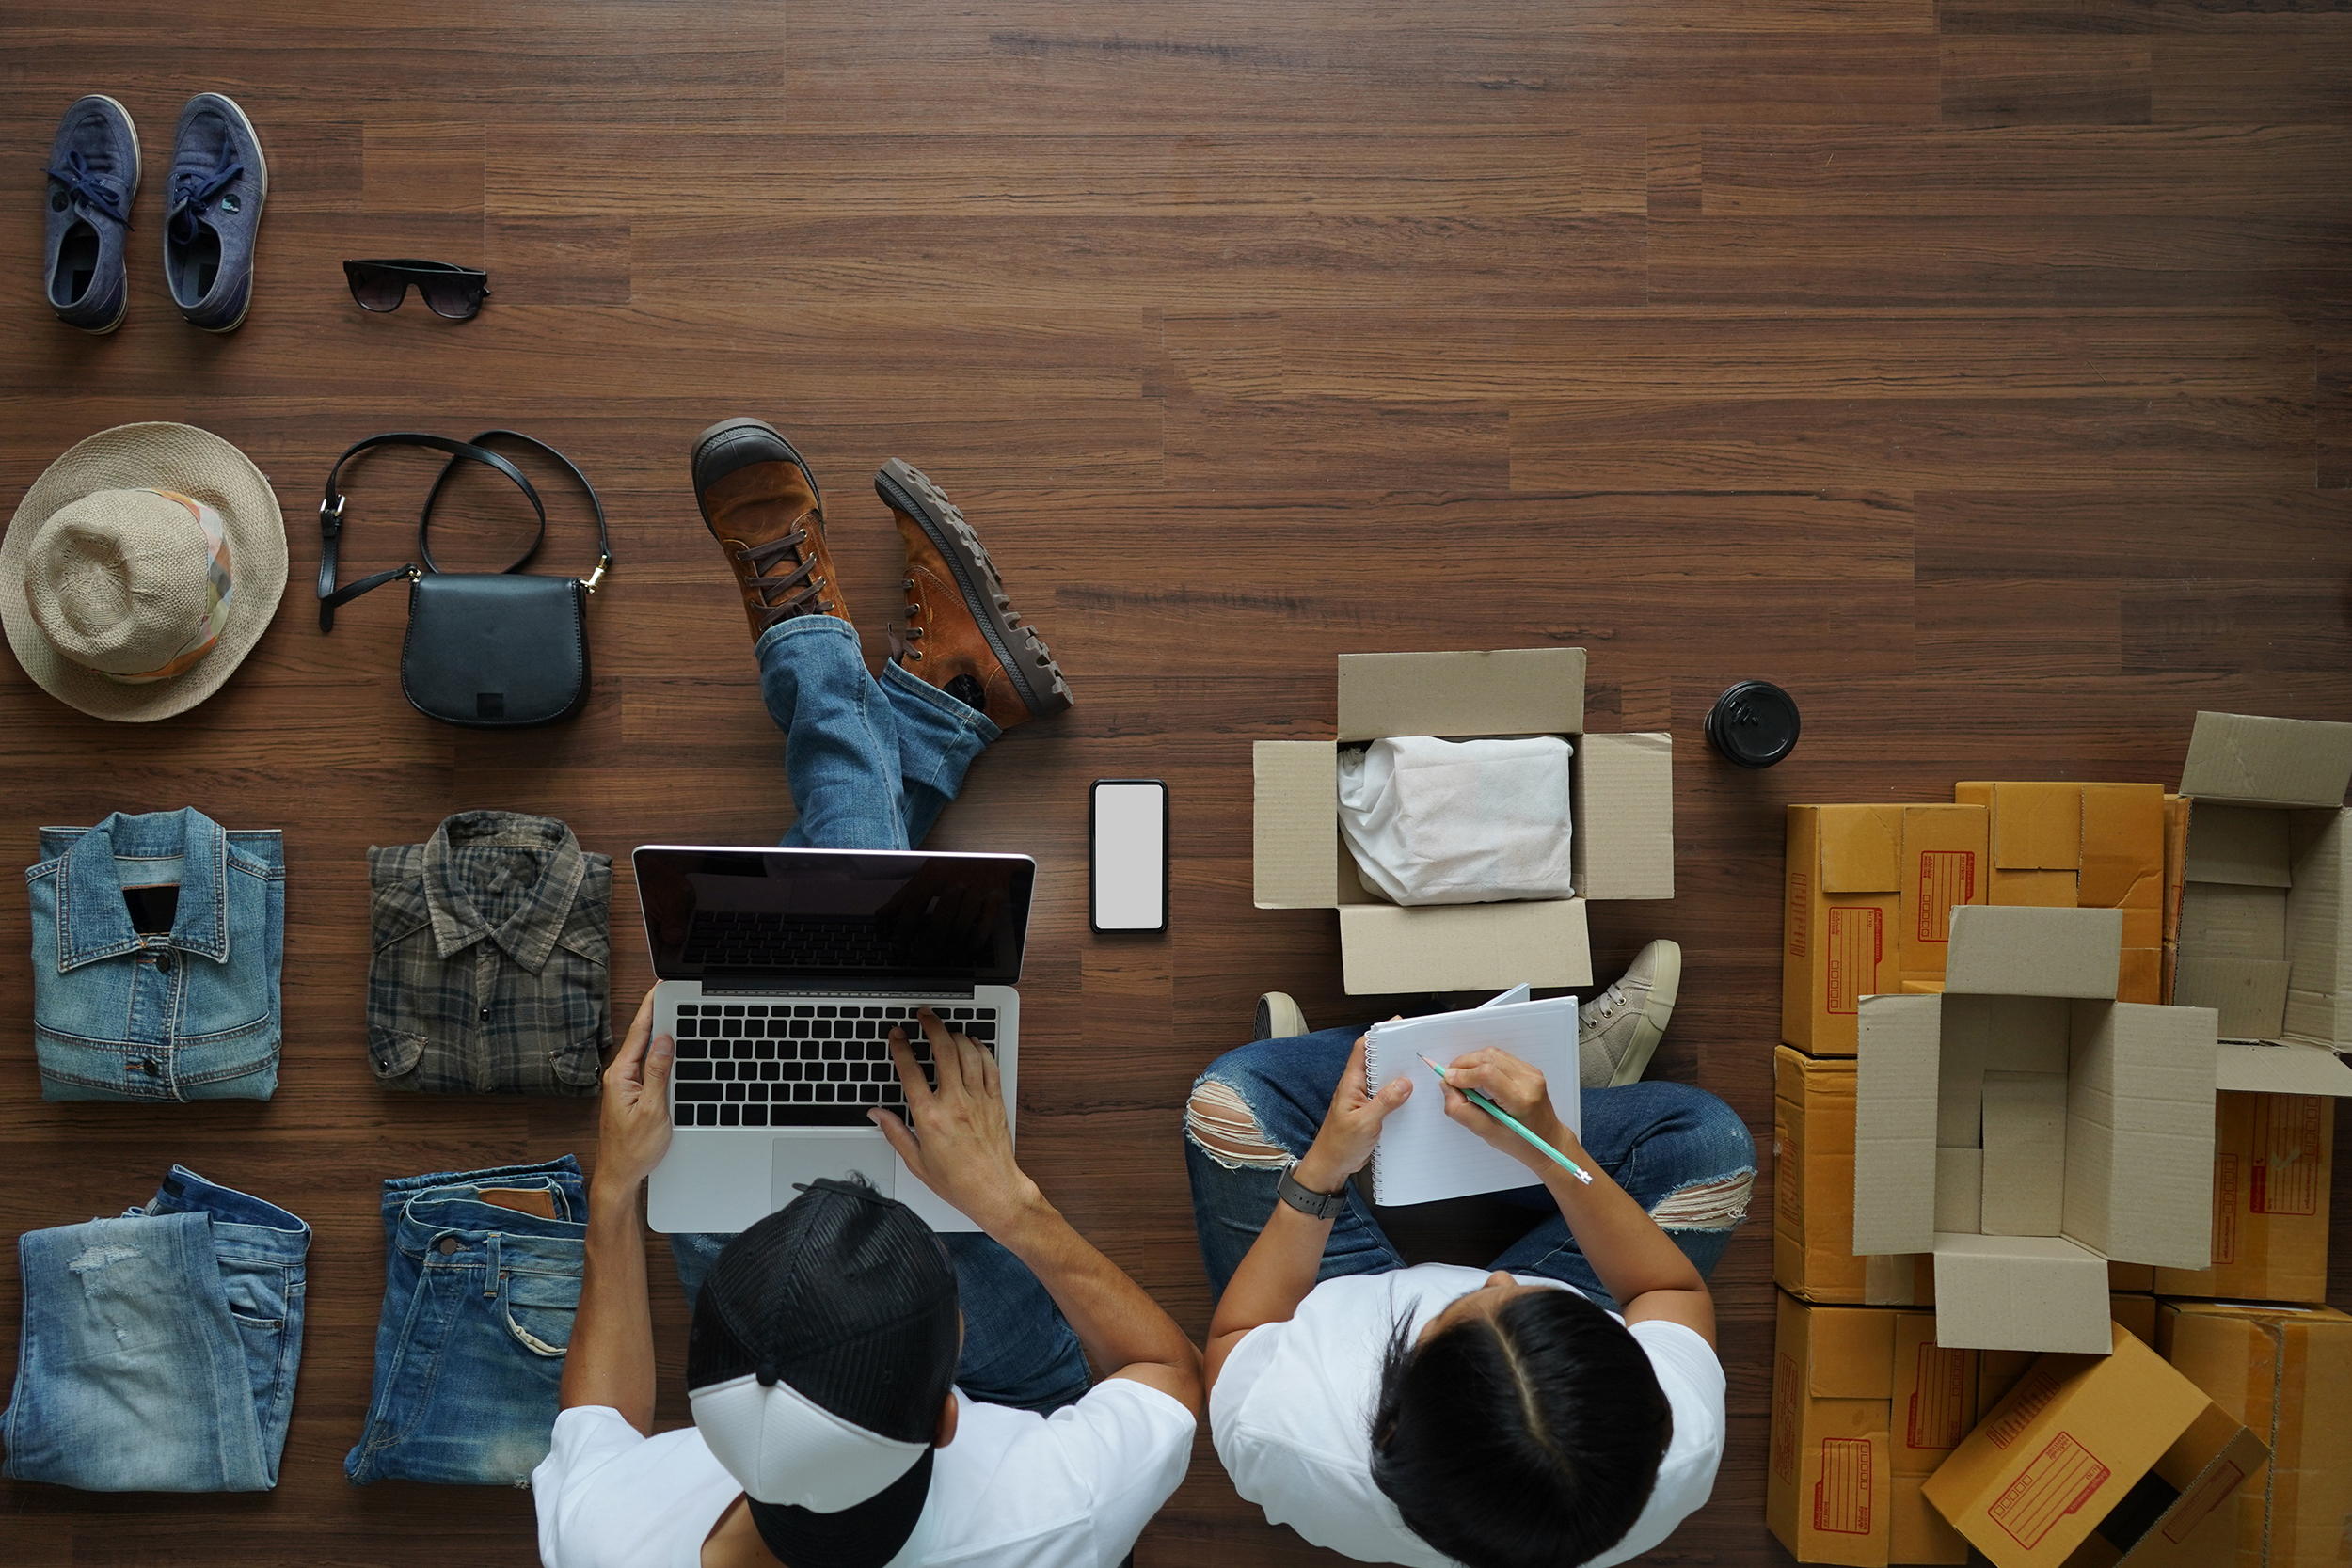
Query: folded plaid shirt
{"points": [[493, 951]]}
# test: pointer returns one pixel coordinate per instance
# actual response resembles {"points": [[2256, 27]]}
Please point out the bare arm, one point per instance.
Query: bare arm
{"points": [[1280, 1268], [1635, 1260], [610, 1358], [960, 1147]]}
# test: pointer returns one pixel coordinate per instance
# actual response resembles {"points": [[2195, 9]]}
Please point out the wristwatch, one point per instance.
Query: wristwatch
{"points": [[1316, 1206]]}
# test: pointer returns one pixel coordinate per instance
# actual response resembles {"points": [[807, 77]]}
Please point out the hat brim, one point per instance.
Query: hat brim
{"points": [[864, 1535], [162, 455]]}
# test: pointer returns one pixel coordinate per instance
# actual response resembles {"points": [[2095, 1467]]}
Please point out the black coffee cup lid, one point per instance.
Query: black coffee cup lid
{"points": [[1753, 723]]}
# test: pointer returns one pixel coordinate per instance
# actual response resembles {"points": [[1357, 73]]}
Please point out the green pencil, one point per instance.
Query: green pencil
{"points": [[1512, 1123]]}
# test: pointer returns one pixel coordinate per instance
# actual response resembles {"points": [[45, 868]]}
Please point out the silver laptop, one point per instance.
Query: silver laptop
{"points": [[781, 973]]}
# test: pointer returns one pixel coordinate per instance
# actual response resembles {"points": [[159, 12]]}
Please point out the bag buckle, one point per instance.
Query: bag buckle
{"points": [[331, 517], [597, 576]]}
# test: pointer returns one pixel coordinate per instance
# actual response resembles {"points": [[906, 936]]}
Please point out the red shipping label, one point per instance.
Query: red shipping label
{"points": [[1841, 1499], [2062, 1478]]}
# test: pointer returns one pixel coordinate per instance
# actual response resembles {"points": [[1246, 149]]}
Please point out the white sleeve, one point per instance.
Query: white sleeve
{"points": [[1129, 1445], [586, 1439]]}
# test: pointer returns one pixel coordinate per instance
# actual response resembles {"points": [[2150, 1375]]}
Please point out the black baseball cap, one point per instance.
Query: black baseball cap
{"points": [[824, 1344]]}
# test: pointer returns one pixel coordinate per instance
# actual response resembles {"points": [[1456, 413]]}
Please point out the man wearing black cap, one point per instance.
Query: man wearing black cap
{"points": [[822, 1369]]}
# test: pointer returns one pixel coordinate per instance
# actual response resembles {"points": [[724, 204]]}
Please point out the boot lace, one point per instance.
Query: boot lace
{"points": [[764, 559], [193, 191], [89, 190]]}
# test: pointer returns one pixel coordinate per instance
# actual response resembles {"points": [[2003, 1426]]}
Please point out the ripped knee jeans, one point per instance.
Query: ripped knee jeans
{"points": [[160, 1348], [1681, 1153]]}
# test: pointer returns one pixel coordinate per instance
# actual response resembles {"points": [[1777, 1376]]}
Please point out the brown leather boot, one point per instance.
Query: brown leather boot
{"points": [[761, 503], [963, 634]]}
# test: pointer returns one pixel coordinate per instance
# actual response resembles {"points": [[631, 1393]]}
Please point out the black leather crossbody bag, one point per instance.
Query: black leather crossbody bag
{"points": [[486, 650]]}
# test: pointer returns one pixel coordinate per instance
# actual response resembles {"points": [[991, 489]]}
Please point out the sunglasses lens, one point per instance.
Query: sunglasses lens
{"points": [[378, 291], [454, 297]]}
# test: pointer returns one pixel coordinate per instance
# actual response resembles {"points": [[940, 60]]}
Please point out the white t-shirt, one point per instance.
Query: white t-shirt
{"points": [[1069, 1490], [1292, 1415]]}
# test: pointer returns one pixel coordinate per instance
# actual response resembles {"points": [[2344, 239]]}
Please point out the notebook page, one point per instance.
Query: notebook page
{"points": [[1423, 1156]]}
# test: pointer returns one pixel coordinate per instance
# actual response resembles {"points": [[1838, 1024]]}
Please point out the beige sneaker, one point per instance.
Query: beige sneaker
{"points": [[1617, 1031], [1279, 1018]]}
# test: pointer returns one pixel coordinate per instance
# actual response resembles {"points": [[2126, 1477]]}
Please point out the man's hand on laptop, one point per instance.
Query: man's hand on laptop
{"points": [[634, 1123], [959, 1143]]}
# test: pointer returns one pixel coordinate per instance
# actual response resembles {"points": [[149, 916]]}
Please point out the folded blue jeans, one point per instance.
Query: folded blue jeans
{"points": [[478, 1304], [1682, 1154], [872, 761], [160, 1349]]}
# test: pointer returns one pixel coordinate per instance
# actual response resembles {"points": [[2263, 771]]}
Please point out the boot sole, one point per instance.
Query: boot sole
{"points": [[702, 444], [1665, 986], [129, 199], [261, 201], [1018, 648]]}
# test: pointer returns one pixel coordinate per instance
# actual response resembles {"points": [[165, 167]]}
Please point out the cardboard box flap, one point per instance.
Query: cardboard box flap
{"points": [[2204, 1470], [2319, 930], [1386, 948], [1623, 813], [2244, 1066], [2020, 1293], [2033, 952], [2240, 845], [1295, 790], [1508, 691], [1862, 848], [1895, 1106], [2139, 1129], [2267, 762]]}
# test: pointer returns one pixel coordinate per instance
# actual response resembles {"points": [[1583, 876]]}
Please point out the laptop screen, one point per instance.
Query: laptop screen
{"points": [[821, 918]]}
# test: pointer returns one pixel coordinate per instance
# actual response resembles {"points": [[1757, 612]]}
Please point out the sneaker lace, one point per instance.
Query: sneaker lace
{"points": [[764, 559], [91, 190], [193, 191], [1606, 1004]]}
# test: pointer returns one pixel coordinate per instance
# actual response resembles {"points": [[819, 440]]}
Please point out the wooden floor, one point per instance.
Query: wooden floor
{"points": [[1981, 371]]}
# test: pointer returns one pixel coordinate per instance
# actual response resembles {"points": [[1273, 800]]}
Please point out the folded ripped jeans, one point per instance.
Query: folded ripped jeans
{"points": [[160, 1348], [480, 1288]]}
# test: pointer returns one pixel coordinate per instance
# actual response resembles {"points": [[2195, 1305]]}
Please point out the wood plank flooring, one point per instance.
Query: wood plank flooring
{"points": [[1980, 370]]}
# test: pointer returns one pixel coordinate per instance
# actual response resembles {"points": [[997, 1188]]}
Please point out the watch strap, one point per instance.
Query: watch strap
{"points": [[1315, 1205]]}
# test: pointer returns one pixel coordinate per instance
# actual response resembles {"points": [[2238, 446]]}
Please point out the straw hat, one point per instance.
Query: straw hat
{"points": [[141, 569]]}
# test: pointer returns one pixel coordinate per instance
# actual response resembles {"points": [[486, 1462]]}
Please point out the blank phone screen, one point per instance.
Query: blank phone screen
{"points": [[1130, 856]]}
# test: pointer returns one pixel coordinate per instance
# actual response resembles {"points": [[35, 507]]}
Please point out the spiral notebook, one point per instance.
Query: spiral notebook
{"points": [[1422, 1155]]}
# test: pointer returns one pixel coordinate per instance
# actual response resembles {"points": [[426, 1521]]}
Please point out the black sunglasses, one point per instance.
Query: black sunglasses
{"points": [[455, 292]]}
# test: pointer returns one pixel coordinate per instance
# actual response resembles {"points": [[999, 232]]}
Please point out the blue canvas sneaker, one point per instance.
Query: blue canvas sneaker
{"points": [[93, 174], [214, 211]]}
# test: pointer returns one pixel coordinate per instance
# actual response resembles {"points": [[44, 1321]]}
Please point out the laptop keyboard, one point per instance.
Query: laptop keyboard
{"points": [[783, 1064]]}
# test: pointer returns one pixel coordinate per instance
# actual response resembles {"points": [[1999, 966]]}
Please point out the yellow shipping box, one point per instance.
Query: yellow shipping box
{"points": [[2083, 845], [2051, 1478], [1813, 1256], [2285, 1372], [2273, 1159], [1865, 1406], [1870, 891]]}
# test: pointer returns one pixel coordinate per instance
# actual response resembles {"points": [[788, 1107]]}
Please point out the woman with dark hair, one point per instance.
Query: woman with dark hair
{"points": [[1565, 1409]]}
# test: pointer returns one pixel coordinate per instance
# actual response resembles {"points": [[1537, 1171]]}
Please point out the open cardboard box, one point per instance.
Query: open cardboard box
{"points": [[2026, 1128], [1621, 811], [2101, 1462]]}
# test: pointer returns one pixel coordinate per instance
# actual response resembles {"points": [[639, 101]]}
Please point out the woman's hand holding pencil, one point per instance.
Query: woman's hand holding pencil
{"points": [[1540, 1140]]}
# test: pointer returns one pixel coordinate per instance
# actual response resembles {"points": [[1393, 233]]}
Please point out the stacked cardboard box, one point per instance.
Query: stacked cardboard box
{"points": [[2026, 1128], [2284, 1372], [2083, 845]]}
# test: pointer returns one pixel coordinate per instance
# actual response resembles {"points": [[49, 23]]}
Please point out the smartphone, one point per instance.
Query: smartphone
{"points": [[1127, 822]]}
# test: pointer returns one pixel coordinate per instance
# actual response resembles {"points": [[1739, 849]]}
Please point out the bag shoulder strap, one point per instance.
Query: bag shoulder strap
{"points": [[331, 512]]}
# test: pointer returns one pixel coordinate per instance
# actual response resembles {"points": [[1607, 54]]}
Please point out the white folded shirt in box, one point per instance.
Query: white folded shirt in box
{"points": [[1435, 821]]}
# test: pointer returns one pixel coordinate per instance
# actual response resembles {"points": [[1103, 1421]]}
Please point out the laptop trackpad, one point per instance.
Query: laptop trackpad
{"points": [[800, 1161]]}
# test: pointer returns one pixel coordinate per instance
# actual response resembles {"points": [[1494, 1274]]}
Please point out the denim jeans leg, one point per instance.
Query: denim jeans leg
{"points": [[1273, 1094], [1680, 1152], [938, 739], [841, 736]]}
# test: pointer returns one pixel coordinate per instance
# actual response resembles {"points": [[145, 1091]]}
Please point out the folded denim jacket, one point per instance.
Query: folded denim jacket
{"points": [[157, 946], [492, 948]]}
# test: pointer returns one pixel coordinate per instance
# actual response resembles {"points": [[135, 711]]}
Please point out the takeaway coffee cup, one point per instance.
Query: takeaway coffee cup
{"points": [[1753, 724]]}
